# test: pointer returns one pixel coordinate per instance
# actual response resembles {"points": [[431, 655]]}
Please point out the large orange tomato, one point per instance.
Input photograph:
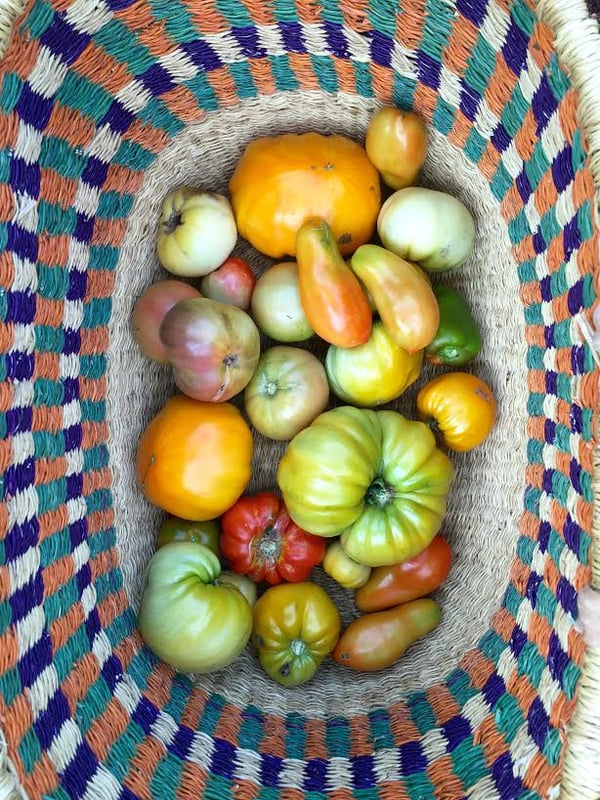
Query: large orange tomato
{"points": [[282, 181], [194, 458]]}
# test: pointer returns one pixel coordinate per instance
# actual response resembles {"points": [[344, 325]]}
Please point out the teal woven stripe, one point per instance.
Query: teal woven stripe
{"points": [[81, 94], [39, 19], [234, 13], [381, 731], [205, 95], [133, 156], [178, 21], [421, 712], [251, 732], [338, 738], [418, 786], [443, 116], [295, 739], [166, 776], [438, 22], [29, 750], [481, 65], [157, 114], [10, 91], [323, 68], [117, 40], [469, 762], [114, 205], [403, 91], [57, 154], [244, 82]]}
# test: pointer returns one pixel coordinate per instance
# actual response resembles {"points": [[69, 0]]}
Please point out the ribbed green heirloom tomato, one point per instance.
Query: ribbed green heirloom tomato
{"points": [[187, 617], [295, 626], [374, 477]]}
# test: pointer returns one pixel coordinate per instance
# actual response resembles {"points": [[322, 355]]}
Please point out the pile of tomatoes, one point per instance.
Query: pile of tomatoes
{"points": [[361, 490]]}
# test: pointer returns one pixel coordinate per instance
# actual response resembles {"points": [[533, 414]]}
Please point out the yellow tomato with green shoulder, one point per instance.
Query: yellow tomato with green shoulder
{"points": [[373, 373]]}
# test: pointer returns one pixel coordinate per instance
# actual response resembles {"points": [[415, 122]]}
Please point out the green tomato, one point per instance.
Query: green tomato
{"points": [[296, 625], [373, 477], [175, 529], [187, 616]]}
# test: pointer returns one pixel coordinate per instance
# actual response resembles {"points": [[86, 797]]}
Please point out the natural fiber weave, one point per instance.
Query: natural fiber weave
{"points": [[105, 105]]}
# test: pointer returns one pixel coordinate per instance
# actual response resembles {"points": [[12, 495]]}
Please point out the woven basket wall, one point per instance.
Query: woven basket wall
{"points": [[106, 105]]}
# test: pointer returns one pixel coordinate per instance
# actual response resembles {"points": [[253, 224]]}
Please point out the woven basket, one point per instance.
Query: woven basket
{"points": [[106, 105]]}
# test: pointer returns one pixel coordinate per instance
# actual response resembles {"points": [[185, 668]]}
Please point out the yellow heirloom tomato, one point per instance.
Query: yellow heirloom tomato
{"points": [[372, 373]]}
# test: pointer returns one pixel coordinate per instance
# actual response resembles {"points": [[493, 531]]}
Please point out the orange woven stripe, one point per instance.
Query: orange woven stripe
{"points": [[46, 365], [122, 180], [424, 100], [70, 125], [101, 68], [345, 75], [500, 87], [546, 194], [57, 190], [206, 18], [78, 682], [291, 794], [526, 138], [42, 780], [58, 574], [53, 251], [382, 80], [302, 68], [224, 86], [148, 754], [52, 521], [275, 735], [152, 138], [391, 790], [93, 340], [9, 647], [443, 704], [6, 338], [48, 470], [489, 161], [403, 728], [491, 740], [194, 708], [540, 776], [192, 782], [461, 128], [511, 203], [478, 666], [92, 388], [316, 746], [22, 55], [460, 46], [445, 783], [410, 27], [341, 794], [355, 16], [109, 608], [107, 728], [262, 75], [6, 213], [183, 104], [48, 312], [17, 719], [361, 743], [108, 231], [228, 726]]}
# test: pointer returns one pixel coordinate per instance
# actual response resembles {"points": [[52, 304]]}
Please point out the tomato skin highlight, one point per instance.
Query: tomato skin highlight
{"points": [[375, 641], [409, 580]]}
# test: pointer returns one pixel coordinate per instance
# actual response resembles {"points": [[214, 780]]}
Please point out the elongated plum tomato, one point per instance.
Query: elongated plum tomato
{"points": [[149, 311], [377, 640], [408, 580], [194, 459], [396, 143]]}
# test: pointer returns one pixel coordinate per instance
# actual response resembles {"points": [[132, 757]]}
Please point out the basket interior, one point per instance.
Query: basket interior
{"points": [[484, 507]]}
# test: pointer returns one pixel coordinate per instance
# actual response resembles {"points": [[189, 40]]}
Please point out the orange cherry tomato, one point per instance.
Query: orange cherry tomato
{"points": [[459, 407], [400, 583], [377, 640], [396, 143], [333, 300], [194, 458]]}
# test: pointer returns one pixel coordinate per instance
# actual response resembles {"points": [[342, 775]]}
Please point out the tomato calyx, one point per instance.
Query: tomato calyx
{"points": [[269, 545], [380, 493]]}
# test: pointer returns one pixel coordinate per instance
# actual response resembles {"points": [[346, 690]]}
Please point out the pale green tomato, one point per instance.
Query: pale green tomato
{"points": [[187, 617], [276, 305], [246, 586], [196, 233], [432, 228]]}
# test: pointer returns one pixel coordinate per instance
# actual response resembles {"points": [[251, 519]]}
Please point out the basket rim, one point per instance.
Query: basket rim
{"points": [[576, 36]]}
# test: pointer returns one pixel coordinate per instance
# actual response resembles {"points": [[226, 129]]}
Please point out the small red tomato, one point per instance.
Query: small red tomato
{"points": [[151, 308], [232, 283], [258, 539]]}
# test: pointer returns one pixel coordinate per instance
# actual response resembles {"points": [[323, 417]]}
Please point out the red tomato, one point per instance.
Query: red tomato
{"points": [[399, 583], [259, 539], [232, 283]]}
